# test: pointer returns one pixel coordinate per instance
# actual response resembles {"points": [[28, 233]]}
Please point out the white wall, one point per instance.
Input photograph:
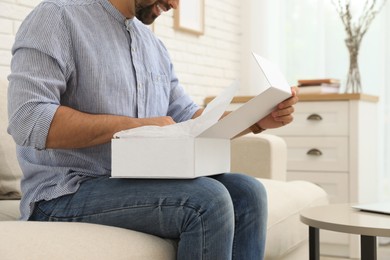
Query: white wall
{"points": [[260, 34], [12, 12], [205, 64], [385, 113]]}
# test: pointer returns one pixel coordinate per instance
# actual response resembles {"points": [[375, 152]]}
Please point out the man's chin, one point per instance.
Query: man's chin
{"points": [[146, 20]]}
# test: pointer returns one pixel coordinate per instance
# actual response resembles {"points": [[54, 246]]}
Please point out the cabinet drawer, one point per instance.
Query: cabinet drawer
{"points": [[317, 118], [335, 184], [317, 153]]}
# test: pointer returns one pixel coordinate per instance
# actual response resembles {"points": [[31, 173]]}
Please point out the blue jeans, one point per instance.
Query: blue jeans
{"points": [[218, 217]]}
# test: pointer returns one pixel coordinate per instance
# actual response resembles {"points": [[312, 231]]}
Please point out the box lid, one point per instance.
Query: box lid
{"points": [[256, 108]]}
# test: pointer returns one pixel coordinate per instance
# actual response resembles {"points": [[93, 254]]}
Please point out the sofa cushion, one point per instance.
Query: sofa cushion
{"points": [[58, 240], [285, 232], [10, 172], [9, 210]]}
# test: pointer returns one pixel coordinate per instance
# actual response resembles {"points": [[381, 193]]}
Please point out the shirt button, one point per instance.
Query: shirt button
{"points": [[140, 85]]}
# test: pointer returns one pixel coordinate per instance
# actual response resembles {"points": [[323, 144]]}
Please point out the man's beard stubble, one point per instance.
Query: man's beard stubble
{"points": [[145, 14]]}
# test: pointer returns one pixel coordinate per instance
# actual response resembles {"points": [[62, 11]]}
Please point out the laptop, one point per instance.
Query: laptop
{"points": [[376, 207]]}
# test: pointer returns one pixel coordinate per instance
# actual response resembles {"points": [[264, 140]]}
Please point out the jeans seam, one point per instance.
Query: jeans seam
{"points": [[234, 239], [74, 218], [204, 237]]}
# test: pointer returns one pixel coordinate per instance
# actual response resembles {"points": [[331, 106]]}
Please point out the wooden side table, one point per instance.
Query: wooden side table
{"points": [[343, 218]]}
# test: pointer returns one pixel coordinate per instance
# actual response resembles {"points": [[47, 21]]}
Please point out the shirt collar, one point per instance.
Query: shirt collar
{"points": [[113, 11]]}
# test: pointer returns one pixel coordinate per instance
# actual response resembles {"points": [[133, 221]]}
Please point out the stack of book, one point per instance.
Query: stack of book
{"points": [[307, 86]]}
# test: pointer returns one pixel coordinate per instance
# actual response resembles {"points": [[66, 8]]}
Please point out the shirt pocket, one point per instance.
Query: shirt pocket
{"points": [[158, 93]]}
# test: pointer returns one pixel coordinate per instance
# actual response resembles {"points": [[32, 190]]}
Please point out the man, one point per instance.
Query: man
{"points": [[83, 70]]}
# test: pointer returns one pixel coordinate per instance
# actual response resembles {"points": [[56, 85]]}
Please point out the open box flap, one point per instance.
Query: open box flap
{"points": [[256, 108], [272, 73], [214, 110], [246, 115]]}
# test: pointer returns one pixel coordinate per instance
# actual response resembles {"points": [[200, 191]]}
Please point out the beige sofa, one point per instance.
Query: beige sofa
{"points": [[263, 156]]}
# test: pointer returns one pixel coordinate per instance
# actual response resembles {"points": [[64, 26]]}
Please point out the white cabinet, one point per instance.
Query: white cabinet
{"points": [[333, 143], [335, 133]]}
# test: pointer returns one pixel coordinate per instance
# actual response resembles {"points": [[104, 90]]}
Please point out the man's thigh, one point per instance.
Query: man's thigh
{"points": [[160, 207]]}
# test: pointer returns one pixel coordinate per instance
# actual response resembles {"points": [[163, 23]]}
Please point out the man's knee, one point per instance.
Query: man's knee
{"points": [[213, 195], [247, 191], [209, 204]]}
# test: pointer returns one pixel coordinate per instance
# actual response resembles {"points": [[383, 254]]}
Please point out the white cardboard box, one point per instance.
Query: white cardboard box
{"points": [[198, 147]]}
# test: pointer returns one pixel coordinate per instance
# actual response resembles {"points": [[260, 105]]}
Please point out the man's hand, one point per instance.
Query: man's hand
{"points": [[158, 121], [282, 115]]}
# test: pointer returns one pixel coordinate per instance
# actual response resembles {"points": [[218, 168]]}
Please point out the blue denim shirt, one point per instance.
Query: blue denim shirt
{"points": [[83, 54]]}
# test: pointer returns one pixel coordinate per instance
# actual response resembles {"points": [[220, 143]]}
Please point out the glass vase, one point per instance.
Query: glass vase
{"points": [[353, 84]]}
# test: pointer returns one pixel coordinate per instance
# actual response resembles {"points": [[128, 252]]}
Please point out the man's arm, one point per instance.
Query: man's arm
{"points": [[74, 129]]}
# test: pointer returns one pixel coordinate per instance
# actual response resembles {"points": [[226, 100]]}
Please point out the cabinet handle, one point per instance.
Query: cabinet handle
{"points": [[314, 152], [314, 117]]}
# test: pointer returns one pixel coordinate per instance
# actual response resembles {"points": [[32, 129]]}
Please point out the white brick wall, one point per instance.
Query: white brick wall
{"points": [[12, 12], [205, 64]]}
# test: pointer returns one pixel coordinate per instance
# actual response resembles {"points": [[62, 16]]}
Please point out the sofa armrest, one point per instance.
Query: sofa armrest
{"points": [[261, 156]]}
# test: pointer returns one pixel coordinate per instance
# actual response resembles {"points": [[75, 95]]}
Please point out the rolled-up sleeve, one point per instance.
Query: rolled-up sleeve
{"points": [[37, 79], [33, 97]]}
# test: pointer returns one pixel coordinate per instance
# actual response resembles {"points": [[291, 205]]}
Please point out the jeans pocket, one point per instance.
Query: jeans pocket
{"points": [[38, 213]]}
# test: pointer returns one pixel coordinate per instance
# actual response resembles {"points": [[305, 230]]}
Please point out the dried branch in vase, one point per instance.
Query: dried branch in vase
{"points": [[356, 28]]}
